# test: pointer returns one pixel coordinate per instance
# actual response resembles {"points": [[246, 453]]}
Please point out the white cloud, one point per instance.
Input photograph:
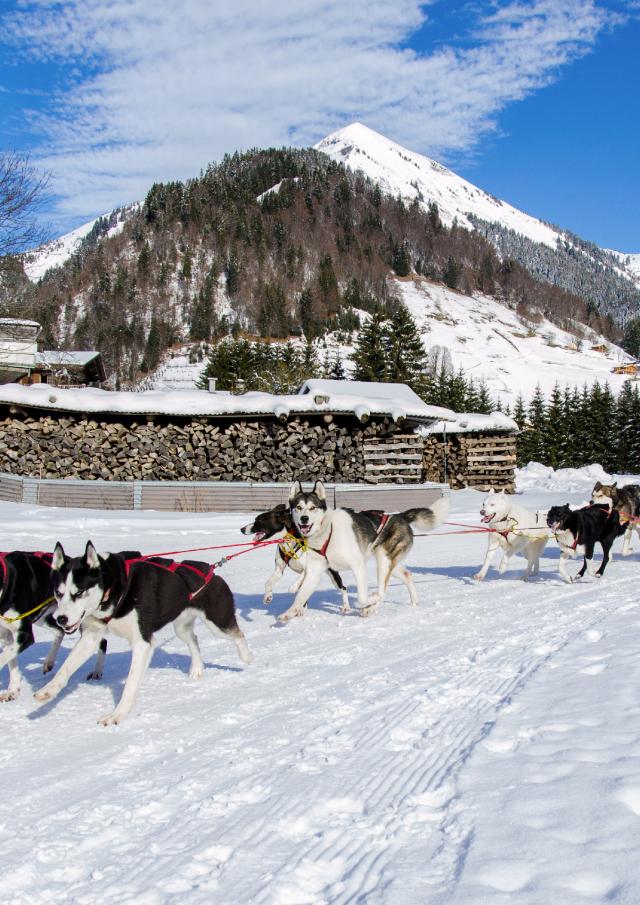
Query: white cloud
{"points": [[159, 89]]}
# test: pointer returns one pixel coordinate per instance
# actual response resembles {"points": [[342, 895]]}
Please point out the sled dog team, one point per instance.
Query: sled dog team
{"points": [[136, 596]]}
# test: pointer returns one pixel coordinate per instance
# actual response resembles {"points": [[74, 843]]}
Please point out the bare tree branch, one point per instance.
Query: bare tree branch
{"points": [[22, 193]]}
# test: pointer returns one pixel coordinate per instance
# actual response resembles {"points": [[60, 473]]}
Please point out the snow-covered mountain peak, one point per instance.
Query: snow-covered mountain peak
{"points": [[400, 171]]}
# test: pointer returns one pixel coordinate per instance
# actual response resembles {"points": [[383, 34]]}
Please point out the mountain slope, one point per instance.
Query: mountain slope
{"points": [[609, 280], [56, 253], [399, 171]]}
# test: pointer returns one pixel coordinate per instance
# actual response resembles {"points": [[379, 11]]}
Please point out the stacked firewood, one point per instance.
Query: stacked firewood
{"points": [[480, 461]]}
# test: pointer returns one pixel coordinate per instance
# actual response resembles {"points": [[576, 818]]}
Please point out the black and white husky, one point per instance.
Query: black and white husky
{"points": [[135, 599], [25, 582], [342, 539], [289, 553], [579, 530]]}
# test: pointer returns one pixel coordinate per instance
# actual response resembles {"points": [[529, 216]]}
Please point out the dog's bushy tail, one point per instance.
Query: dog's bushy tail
{"points": [[428, 519]]}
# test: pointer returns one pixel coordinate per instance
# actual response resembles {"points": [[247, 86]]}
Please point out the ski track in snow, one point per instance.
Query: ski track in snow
{"points": [[355, 761]]}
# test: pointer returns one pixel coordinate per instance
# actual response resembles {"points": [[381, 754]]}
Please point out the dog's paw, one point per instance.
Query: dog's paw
{"points": [[626, 552], [94, 676], [45, 694], [111, 719], [6, 696], [196, 672], [290, 614], [267, 599], [478, 576], [345, 608], [369, 609], [46, 667]]}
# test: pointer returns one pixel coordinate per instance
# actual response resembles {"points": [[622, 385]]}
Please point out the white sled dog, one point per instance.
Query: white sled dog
{"points": [[514, 530], [342, 539]]}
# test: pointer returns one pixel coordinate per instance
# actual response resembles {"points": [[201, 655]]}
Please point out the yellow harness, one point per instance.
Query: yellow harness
{"points": [[40, 606], [293, 547]]}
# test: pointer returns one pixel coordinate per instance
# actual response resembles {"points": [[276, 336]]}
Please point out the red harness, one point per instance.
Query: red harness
{"points": [[45, 557], [372, 514], [173, 566]]}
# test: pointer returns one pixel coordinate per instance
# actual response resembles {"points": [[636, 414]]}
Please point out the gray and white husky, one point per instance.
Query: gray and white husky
{"points": [[626, 500], [342, 539]]}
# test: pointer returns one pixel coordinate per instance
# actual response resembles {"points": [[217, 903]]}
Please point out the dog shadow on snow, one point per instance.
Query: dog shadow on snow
{"points": [[324, 599], [116, 669], [548, 568]]}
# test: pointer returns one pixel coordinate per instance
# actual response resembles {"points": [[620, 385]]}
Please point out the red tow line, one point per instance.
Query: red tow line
{"points": [[205, 576]]}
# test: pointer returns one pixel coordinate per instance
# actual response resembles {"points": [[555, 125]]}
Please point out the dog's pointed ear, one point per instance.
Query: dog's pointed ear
{"points": [[296, 488], [502, 492], [59, 558], [280, 508], [320, 492], [491, 491], [597, 486], [91, 557]]}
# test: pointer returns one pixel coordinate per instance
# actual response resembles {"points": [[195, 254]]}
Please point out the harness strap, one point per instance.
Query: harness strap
{"points": [[45, 557], [323, 549]]}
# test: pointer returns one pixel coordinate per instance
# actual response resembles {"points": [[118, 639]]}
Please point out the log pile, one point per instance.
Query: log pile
{"points": [[394, 459], [76, 446], [480, 461]]}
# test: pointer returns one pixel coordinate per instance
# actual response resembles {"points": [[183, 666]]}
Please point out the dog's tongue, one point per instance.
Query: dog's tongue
{"points": [[486, 518], [258, 536]]}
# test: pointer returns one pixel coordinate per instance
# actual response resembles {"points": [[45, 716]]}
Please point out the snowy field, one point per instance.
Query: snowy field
{"points": [[482, 748]]}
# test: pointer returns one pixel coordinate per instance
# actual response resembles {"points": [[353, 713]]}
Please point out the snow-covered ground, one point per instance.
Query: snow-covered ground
{"points": [[484, 747], [491, 342]]}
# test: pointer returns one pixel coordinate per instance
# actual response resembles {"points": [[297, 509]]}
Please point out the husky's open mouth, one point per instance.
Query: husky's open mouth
{"points": [[487, 518], [70, 629]]}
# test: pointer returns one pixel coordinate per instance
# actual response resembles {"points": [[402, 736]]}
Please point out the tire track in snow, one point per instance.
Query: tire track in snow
{"points": [[421, 775]]}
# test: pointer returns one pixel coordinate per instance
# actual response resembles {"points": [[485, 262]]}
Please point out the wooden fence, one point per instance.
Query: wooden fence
{"points": [[205, 496]]}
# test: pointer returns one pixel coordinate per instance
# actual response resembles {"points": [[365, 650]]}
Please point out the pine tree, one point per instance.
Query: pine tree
{"points": [[631, 341], [401, 261], [405, 354], [553, 428], [336, 370], [536, 421], [370, 353], [485, 404], [451, 273]]}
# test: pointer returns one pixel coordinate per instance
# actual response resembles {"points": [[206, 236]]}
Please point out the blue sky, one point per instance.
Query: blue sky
{"points": [[535, 101]]}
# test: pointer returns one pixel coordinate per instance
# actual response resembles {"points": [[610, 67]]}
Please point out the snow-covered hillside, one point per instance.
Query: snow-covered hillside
{"points": [[630, 264], [400, 171], [487, 340], [491, 342], [55, 253], [482, 747]]}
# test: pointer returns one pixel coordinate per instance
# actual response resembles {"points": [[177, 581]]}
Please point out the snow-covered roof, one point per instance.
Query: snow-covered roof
{"points": [[75, 358], [369, 390], [201, 402], [471, 422], [17, 322]]}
